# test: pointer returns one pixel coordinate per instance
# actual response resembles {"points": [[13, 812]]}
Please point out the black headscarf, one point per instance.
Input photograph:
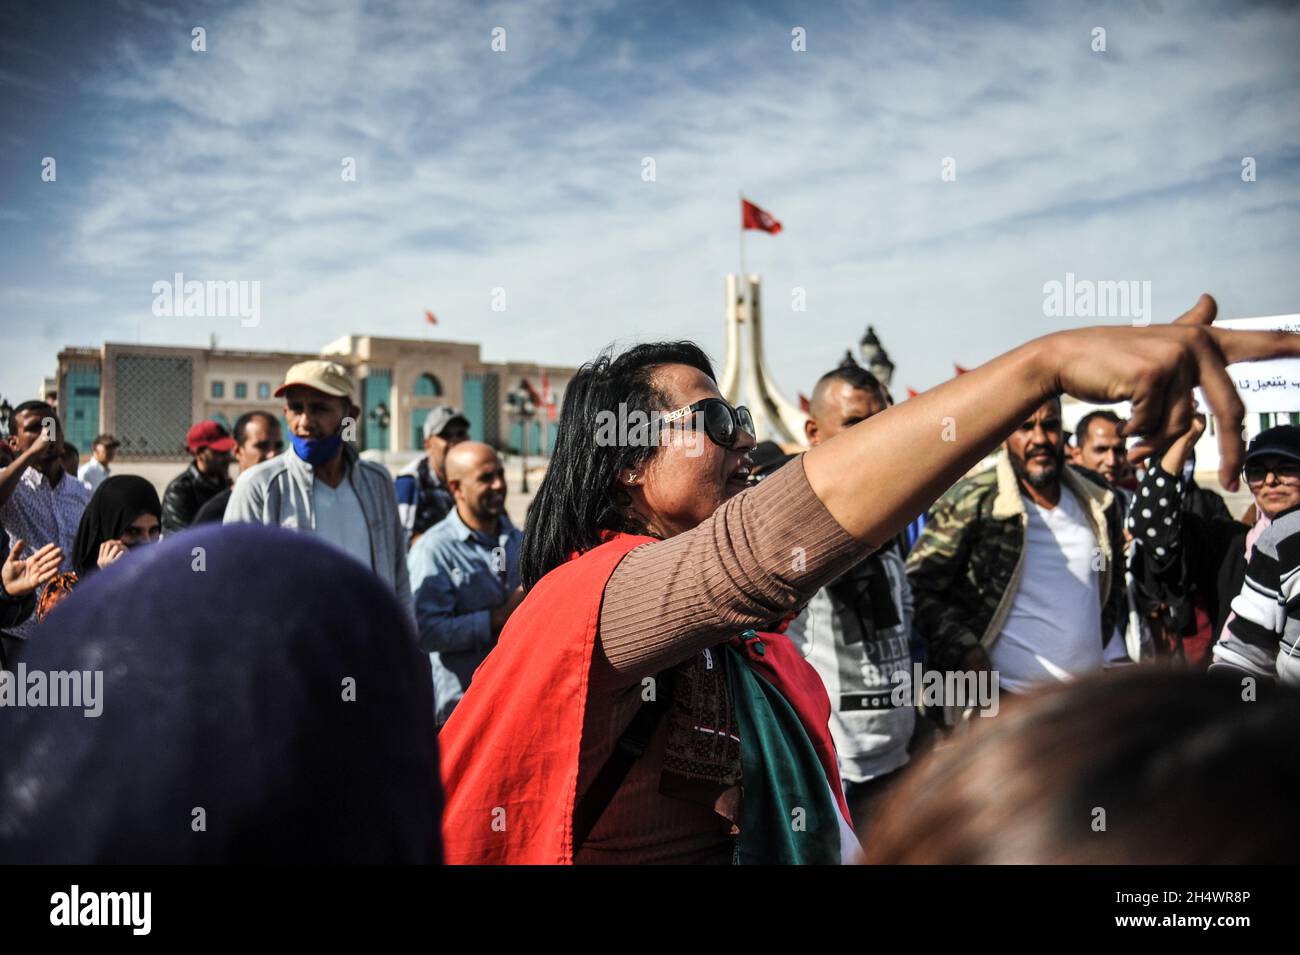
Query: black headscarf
{"points": [[114, 507], [228, 656]]}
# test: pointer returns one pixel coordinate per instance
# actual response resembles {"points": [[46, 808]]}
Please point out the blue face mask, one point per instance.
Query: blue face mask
{"points": [[316, 451]]}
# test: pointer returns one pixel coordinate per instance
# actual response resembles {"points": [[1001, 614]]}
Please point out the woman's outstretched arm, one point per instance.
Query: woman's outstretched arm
{"points": [[878, 475]]}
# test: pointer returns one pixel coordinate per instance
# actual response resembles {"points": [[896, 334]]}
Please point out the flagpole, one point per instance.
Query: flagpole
{"points": [[744, 273]]}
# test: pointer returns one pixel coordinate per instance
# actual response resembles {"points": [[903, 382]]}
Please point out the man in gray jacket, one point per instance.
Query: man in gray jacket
{"points": [[322, 486], [856, 631]]}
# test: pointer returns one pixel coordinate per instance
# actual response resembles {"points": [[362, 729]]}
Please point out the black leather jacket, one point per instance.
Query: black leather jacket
{"points": [[187, 492]]}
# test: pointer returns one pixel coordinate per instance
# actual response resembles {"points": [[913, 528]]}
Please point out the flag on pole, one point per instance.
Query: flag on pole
{"points": [[752, 217], [430, 317], [912, 393], [960, 369], [548, 397], [804, 404]]}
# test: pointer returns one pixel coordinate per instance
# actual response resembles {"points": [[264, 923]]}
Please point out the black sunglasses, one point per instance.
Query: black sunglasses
{"points": [[722, 423], [1285, 470]]}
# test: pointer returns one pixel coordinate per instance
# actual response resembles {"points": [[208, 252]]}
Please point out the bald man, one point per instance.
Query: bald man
{"points": [[465, 573]]}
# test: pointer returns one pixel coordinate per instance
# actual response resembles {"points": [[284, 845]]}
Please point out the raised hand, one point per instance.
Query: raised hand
{"points": [[1157, 367], [22, 576], [1177, 453], [110, 551]]}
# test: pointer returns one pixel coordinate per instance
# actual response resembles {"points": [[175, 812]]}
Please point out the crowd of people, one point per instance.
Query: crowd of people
{"points": [[700, 652]]}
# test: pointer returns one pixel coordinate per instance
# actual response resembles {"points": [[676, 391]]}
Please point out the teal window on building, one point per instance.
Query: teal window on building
{"points": [[534, 437], [1276, 419], [472, 389], [427, 386], [241, 389], [218, 389], [81, 424], [263, 389], [221, 420], [547, 438]]}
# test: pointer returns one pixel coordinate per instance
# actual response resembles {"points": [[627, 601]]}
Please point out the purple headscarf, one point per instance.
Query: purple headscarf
{"points": [[263, 700]]}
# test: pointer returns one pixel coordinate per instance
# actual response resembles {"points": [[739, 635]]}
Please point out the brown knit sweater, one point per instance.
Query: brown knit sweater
{"points": [[758, 556]]}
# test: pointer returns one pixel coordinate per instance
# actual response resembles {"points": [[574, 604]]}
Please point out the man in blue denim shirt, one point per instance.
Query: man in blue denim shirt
{"points": [[465, 573]]}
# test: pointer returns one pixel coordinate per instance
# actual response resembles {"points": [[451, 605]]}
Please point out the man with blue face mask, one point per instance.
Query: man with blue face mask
{"points": [[321, 485]]}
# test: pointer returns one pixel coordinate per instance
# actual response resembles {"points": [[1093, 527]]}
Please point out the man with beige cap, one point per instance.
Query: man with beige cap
{"points": [[321, 485]]}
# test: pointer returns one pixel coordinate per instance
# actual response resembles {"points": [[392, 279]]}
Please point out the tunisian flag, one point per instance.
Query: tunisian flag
{"points": [[752, 217], [548, 398]]}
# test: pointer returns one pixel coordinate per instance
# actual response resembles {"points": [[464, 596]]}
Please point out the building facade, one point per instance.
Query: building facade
{"points": [[148, 396]]}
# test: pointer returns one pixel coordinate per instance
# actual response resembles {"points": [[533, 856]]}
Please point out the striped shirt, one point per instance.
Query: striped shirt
{"points": [[1263, 636]]}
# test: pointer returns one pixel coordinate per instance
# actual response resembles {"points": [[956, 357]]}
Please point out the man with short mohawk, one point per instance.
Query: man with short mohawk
{"points": [[855, 632]]}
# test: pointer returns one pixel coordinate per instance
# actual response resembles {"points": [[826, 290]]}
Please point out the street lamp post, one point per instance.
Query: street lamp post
{"points": [[875, 356], [380, 415]]}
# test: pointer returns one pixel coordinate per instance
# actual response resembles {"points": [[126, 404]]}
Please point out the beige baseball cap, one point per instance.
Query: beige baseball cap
{"points": [[326, 376]]}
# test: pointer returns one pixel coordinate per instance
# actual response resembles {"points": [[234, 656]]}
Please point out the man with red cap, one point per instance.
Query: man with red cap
{"points": [[207, 475]]}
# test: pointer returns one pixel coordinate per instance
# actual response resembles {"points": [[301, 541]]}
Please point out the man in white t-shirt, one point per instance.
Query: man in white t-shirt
{"points": [[1020, 569], [94, 471], [1052, 630]]}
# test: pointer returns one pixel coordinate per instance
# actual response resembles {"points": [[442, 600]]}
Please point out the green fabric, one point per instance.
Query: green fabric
{"points": [[787, 812]]}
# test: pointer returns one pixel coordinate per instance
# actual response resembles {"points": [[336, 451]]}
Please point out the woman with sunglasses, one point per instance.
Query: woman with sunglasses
{"points": [[632, 711], [1191, 559]]}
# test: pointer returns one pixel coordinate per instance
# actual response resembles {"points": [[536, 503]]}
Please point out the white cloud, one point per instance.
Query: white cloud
{"points": [[522, 170]]}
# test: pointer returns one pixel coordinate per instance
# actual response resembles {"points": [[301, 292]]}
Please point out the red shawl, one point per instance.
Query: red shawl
{"points": [[509, 752]]}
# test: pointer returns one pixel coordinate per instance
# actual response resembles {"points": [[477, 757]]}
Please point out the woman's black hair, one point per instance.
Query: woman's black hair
{"points": [[577, 499]]}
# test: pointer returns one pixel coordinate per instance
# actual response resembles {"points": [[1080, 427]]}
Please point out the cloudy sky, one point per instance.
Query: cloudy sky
{"points": [[523, 170]]}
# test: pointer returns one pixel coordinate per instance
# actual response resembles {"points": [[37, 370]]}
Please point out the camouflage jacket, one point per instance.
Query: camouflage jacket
{"points": [[965, 567]]}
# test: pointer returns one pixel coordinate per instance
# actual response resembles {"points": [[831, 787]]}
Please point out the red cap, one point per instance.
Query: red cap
{"points": [[209, 434]]}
